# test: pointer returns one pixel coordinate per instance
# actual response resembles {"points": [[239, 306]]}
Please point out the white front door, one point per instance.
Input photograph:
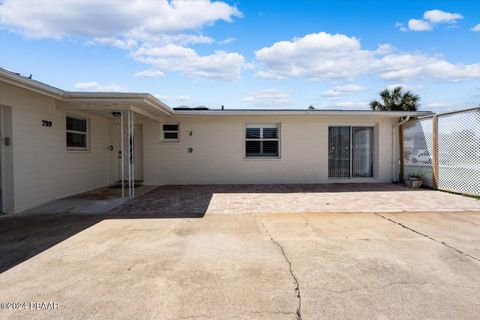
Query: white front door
{"points": [[2, 142]]}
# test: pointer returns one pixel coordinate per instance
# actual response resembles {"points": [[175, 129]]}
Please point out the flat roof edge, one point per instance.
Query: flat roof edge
{"points": [[15, 79], [394, 114]]}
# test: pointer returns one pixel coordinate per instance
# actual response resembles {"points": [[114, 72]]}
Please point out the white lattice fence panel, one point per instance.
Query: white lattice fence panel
{"points": [[459, 152], [418, 150]]}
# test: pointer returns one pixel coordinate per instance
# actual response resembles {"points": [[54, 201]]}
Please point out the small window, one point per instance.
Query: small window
{"points": [[171, 132], [77, 133], [262, 141]]}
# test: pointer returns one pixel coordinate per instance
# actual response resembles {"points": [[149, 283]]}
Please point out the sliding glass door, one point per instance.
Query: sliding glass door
{"points": [[339, 152], [350, 152], [362, 152]]}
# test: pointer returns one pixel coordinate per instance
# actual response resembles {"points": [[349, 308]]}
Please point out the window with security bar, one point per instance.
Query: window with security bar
{"points": [[262, 141]]}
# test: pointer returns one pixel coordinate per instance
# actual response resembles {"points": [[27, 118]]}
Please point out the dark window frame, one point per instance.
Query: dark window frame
{"points": [[85, 133], [349, 172], [170, 131], [262, 139]]}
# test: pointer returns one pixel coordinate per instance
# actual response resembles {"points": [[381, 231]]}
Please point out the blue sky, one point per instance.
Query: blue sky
{"points": [[250, 54]]}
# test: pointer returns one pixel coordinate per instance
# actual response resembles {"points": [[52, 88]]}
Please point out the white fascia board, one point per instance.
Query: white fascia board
{"points": [[29, 84], [118, 98], [391, 114]]}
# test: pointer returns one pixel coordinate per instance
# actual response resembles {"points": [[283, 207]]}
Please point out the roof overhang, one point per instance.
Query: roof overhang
{"points": [[142, 103], [29, 84], [343, 113]]}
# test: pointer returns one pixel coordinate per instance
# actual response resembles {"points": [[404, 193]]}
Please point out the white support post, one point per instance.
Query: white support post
{"points": [[133, 154], [129, 146], [122, 154]]}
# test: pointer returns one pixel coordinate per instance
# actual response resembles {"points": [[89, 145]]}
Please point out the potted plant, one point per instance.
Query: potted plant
{"points": [[414, 181]]}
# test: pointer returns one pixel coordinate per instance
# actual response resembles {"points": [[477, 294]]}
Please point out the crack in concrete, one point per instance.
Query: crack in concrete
{"points": [[429, 237], [295, 279]]}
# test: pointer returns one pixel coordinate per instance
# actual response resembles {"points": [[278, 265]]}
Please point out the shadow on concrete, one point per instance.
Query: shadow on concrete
{"points": [[23, 236]]}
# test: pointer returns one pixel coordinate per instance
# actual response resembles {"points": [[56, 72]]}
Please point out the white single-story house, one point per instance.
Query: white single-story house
{"points": [[57, 143]]}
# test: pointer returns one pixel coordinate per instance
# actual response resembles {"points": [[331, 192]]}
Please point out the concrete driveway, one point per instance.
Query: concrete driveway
{"points": [[246, 266]]}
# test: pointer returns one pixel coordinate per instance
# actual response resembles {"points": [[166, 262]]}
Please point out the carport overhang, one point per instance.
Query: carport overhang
{"points": [[125, 109], [143, 104]]}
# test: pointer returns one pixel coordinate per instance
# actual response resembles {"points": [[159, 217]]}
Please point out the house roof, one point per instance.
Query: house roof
{"points": [[313, 112], [152, 107]]}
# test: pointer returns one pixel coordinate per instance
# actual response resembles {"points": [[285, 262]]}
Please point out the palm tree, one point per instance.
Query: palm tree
{"points": [[396, 100]]}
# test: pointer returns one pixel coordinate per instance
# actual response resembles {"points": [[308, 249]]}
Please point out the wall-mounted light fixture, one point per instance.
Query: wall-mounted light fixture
{"points": [[190, 150], [116, 114]]}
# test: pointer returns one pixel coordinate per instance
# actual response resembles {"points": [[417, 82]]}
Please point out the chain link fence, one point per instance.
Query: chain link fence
{"points": [[449, 143]]}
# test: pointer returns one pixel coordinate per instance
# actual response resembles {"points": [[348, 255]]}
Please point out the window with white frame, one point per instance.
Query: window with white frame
{"points": [[171, 132], [262, 141], [77, 133]]}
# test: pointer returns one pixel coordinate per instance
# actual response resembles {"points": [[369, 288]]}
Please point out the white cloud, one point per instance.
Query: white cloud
{"points": [[269, 98], [317, 56], [384, 48], [95, 18], [405, 86], [342, 90], [135, 25], [419, 25], [173, 99], [476, 28], [431, 18], [401, 26], [150, 74], [352, 105], [114, 42], [226, 41], [167, 38], [443, 106], [219, 65], [422, 66], [95, 86], [439, 16], [322, 56]]}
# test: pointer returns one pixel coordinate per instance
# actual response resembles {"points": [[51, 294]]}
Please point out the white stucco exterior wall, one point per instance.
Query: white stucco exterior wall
{"points": [[218, 150], [43, 168]]}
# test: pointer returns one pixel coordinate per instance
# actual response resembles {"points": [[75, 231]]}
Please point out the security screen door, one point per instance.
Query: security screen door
{"points": [[350, 152], [1, 159]]}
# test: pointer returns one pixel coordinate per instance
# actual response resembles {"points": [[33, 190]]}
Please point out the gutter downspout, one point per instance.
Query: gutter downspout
{"points": [[394, 133]]}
